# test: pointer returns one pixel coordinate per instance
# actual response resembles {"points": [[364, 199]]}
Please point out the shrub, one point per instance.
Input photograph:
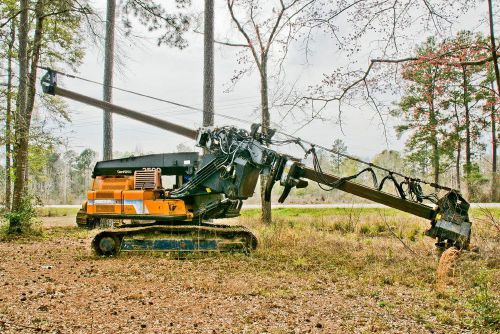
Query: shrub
{"points": [[21, 220]]}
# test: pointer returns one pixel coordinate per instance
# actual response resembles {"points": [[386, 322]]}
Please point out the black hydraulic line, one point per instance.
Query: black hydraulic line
{"points": [[178, 129], [398, 186], [417, 209], [301, 142]]}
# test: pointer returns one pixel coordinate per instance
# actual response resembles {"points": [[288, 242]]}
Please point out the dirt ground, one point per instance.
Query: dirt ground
{"points": [[55, 284]]}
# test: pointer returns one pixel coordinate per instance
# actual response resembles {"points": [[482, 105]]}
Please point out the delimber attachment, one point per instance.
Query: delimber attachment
{"points": [[451, 226]]}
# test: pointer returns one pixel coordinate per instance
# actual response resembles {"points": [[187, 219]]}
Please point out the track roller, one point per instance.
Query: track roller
{"points": [[107, 244]]}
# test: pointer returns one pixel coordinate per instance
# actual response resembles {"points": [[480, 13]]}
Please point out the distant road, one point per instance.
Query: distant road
{"points": [[313, 206]]}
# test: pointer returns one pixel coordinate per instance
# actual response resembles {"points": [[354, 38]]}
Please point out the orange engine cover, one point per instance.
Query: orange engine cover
{"points": [[115, 195]]}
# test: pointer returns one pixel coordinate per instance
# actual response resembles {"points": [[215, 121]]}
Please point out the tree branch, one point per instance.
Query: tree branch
{"points": [[276, 25], [3, 24], [256, 28], [227, 43], [230, 4], [477, 62]]}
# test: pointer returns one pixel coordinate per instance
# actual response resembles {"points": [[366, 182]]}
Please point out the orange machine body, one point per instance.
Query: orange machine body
{"points": [[140, 194]]}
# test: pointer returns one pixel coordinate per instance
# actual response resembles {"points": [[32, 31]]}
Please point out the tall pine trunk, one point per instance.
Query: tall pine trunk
{"points": [[493, 46], [468, 150], [494, 141], [20, 141], [108, 79], [459, 148], [494, 138], [8, 119], [208, 65], [266, 217], [435, 145], [433, 122]]}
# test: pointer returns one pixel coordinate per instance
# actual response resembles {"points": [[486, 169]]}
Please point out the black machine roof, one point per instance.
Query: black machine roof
{"points": [[184, 163]]}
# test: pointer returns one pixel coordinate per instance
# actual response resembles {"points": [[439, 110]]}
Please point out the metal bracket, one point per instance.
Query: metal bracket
{"points": [[49, 82]]}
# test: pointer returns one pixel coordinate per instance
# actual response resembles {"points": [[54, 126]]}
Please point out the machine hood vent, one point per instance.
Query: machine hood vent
{"points": [[147, 179]]}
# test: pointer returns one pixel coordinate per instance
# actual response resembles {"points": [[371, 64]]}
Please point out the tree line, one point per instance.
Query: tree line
{"points": [[449, 111]]}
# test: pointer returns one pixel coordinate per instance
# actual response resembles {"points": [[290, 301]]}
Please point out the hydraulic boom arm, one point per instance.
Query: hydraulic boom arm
{"points": [[49, 86]]}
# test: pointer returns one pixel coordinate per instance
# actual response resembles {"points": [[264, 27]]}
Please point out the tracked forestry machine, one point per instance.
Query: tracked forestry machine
{"points": [[166, 201]]}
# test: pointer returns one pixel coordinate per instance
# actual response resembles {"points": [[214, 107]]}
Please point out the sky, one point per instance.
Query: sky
{"points": [[177, 75]]}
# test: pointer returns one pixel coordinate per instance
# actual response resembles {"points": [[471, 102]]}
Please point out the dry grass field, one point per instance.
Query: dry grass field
{"points": [[315, 271]]}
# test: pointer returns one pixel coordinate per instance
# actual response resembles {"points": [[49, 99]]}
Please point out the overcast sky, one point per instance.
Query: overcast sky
{"points": [[177, 75]]}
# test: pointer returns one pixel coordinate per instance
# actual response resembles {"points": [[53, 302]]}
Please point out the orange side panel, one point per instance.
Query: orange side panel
{"points": [[104, 202], [132, 202], [138, 194]]}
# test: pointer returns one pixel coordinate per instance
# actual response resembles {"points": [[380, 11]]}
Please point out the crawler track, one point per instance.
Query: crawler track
{"points": [[203, 237]]}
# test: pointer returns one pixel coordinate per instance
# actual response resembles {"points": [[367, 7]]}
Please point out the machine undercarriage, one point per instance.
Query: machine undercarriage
{"points": [[175, 237]]}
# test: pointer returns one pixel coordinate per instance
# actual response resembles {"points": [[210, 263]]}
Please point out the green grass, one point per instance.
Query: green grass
{"points": [[316, 212], [289, 212], [56, 212]]}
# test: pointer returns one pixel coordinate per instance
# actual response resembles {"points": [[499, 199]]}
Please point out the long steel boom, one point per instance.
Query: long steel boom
{"points": [[49, 86]]}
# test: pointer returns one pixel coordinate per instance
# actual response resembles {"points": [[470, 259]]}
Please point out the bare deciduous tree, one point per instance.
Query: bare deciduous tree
{"points": [[267, 30], [374, 27]]}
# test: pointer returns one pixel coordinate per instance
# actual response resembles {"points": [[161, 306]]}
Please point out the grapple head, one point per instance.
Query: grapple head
{"points": [[451, 225]]}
